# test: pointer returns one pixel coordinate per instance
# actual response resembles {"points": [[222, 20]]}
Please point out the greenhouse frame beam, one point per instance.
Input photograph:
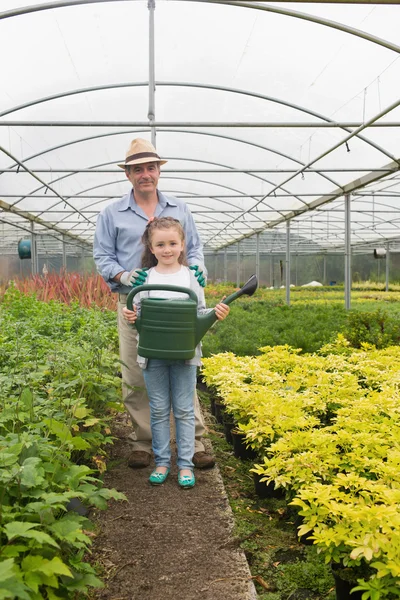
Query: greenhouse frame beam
{"points": [[85, 191], [348, 188], [46, 185], [210, 134], [212, 124], [196, 85], [33, 219], [347, 252], [186, 195], [274, 9], [75, 170], [235, 225], [287, 263]]}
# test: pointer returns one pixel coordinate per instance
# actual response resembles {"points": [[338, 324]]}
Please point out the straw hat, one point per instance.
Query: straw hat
{"points": [[139, 152]]}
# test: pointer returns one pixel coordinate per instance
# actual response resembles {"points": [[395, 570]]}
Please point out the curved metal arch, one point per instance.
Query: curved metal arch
{"points": [[44, 184], [200, 86], [192, 195], [211, 134], [316, 159], [267, 8], [165, 178]]}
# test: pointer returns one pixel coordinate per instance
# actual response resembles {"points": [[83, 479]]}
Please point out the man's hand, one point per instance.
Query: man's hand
{"points": [[133, 278], [199, 274]]}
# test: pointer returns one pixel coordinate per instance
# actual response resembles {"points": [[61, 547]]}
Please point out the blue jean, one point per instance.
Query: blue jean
{"points": [[171, 383]]}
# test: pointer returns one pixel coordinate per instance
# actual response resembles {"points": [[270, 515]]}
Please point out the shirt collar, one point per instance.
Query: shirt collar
{"points": [[128, 201]]}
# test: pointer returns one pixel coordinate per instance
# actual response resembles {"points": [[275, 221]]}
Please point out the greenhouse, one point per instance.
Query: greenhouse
{"points": [[275, 129], [280, 133]]}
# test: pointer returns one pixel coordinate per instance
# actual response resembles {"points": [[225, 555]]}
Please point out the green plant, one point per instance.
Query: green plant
{"points": [[57, 381]]}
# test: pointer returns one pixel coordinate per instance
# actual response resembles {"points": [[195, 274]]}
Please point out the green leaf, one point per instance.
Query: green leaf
{"points": [[18, 529], [13, 550], [26, 530], [7, 569], [26, 398], [55, 566], [80, 412], [81, 582], [58, 429], [51, 595], [10, 586], [14, 589], [33, 580], [7, 459], [31, 475], [91, 421], [79, 443]]}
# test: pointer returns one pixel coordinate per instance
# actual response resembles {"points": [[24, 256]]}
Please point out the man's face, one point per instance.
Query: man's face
{"points": [[144, 178]]}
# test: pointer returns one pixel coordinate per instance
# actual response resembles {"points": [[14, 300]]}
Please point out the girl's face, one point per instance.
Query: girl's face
{"points": [[166, 245]]}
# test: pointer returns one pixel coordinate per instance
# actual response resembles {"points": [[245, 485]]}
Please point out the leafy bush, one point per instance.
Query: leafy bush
{"points": [[261, 323], [57, 382], [377, 328], [327, 429]]}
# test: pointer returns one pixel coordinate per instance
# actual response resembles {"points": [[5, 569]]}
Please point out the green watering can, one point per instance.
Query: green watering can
{"points": [[171, 328]]}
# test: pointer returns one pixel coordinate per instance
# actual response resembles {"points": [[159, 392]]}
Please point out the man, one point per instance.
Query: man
{"points": [[117, 253]]}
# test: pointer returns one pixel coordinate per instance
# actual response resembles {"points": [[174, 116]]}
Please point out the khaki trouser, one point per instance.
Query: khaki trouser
{"points": [[134, 391]]}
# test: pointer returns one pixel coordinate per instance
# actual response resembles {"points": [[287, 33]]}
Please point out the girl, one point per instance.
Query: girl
{"points": [[170, 381]]}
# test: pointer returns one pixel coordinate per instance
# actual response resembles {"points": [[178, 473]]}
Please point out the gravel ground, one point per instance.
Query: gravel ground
{"points": [[166, 543]]}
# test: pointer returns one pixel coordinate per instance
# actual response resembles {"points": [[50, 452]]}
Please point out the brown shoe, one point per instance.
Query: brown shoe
{"points": [[138, 459], [202, 460]]}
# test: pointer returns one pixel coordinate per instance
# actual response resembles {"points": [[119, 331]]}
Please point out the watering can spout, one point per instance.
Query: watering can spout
{"points": [[204, 322]]}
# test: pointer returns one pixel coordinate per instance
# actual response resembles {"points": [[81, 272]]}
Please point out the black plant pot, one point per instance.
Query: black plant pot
{"points": [[344, 584], [212, 405], [76, 505], [240, 450], [263, 489], [303, 539], [219, 412], [228, 426]]}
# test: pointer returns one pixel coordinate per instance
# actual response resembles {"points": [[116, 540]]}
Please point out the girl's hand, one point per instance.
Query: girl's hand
{"points": [[222, 310], [130, 315]]}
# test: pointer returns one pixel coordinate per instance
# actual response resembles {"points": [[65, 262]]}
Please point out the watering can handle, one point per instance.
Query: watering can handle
{"points": [[156, 286]]}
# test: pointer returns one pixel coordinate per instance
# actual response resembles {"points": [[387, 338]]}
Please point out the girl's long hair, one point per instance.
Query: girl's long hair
{"points": [[148, 258]]}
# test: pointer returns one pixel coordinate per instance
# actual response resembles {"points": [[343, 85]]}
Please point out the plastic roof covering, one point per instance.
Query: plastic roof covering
{"points": [[263, 111]]}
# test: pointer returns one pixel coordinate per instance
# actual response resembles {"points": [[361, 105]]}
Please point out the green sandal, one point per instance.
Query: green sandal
{"points": [[157, 478]]}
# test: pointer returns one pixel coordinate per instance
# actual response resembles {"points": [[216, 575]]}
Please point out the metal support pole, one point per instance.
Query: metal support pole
{"points": [[258, 256], [33, 250], [215, 265], [287, 266], [238, 265], [296, 269], [271, 271], [387, 266], [347, 258], [64, 255], [151, 5], [225, 265], [82, 259], [324, 275]]}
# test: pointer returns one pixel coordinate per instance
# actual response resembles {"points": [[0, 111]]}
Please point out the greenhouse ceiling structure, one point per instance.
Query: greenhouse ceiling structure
{"points": [[279, 116]]}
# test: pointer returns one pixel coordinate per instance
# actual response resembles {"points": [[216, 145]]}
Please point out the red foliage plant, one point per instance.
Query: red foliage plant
{"points": [[86, 289]]}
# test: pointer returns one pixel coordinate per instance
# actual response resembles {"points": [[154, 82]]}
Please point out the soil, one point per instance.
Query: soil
{"points": [[166, 543]]}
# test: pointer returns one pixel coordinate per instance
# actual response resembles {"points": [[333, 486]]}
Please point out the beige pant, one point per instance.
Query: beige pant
{"points": [[134, 391]]}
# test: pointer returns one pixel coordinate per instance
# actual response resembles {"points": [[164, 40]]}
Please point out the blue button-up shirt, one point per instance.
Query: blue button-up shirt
{"points": [[120, 225]]}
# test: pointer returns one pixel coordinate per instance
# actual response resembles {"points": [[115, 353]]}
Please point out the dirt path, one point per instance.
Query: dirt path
{"points": [[166, 543]]}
